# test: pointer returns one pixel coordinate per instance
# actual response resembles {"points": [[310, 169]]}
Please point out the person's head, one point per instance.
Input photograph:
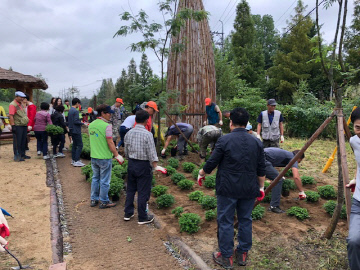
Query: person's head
{"points": [[248, 128], [75, 102], [151, 107], [67, 102], [104, 111], [118, 102], [301, 157], [60, 108], [19, 96], [26, 99], [44, 106], [58, 101], [207, 101], [90, 110], [239, 117], [226, 114], [355, 119], [271, 105], [52, 100], [141, 117]]}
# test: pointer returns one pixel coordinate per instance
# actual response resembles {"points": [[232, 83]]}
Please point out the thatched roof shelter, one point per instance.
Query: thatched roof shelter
{"points": [[21, 82]]}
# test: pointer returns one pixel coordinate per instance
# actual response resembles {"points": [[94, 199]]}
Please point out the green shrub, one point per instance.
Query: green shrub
{"points": [[159, 190], [258, 212], [153, 181], [210, 181], [289, 173], [170, 170], [288, 184], [185, 184], [196, 195], [85, 152], [312, 196], [118, 170], [208, 202], [86, 170], [298, 212], [327, 192], [210, 215], [195, 173], [329, 207], [189, 222], [165, 200], [177, 211], [195, 145], [202, 165], [267, 198], [173, 162], [307, 180], [54, 130], [116, 185], [188, 167], [177, 177]]}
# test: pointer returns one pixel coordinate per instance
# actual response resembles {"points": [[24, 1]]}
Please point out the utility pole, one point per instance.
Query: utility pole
{"points": [[222, 36]]}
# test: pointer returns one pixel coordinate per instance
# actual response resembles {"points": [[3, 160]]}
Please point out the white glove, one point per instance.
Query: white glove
{"points": [[163, 151], [120, 159], [282, 138], [161, 169], [352, 185], [3, 243], [221, 123], [29, 128], [258, 136], [302, 195], [8, 126]]}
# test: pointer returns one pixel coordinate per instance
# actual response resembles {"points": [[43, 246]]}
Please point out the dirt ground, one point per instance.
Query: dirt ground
{"points": [[24, 194]]}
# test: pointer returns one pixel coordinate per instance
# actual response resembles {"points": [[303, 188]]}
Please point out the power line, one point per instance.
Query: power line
{"points": [[222, 14], [285, 11], [232, 13]]}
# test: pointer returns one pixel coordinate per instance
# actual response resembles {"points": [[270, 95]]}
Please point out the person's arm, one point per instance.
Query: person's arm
{"points": [[220, 115], [77, 120], [167, 142], [48, 119], [150, 149], [11, 120], [111, 145], [258, 130], [215, 158], [297, 179], [281, 132]]}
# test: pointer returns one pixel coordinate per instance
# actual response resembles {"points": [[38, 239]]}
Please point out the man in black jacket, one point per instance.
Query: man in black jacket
{"points": [[239, 180]]}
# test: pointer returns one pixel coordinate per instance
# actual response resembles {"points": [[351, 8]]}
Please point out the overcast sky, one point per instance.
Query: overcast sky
{"points": [[71, 42]]}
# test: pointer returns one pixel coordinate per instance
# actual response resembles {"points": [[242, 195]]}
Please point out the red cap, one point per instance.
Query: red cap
{"points": [[207, 101], [119, 100], [153, 105]]}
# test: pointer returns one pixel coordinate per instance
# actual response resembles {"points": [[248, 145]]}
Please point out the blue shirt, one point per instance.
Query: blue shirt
{"points": [[74, 121], [279, 157], [183, 127], [271, 117]]}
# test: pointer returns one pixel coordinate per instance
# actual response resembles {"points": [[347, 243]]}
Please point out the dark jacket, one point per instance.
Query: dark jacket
{"points": [[58, 120], [241, 160], [74, 121]]}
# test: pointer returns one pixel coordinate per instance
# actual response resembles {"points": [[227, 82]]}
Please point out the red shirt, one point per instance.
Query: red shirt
{"points": [[31, 112], [148, 124], [12, 108]]}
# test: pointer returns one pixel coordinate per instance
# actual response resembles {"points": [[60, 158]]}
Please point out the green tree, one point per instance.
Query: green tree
{"points": [[121, 85], [249, 56], [106, 92], [146, 72]]}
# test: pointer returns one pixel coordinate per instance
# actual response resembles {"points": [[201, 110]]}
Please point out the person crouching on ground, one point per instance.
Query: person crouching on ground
{"points": [[353, 240], [141, 152], [102, 150], [173, 132], [207, 135], [239, 180], [58, 140]]}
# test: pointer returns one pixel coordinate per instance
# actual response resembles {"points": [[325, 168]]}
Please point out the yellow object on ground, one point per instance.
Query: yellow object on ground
{"points": [[161, 134], [3, 113]]}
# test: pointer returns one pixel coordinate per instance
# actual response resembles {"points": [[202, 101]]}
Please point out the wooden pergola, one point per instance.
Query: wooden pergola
{"points": [[21, 82]]}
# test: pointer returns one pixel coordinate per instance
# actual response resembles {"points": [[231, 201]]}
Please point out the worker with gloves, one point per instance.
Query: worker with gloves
{"points": [[4, 232], [270, 124], [102, 151], [173, 132], [141, 152], [239, 180], [353, 239], [213, 113], [207, 135], [277, 157]]}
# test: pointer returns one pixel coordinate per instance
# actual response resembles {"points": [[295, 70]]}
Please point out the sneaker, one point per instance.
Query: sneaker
{"points": [[72, 162], [108, 204], [117, 147], [149, 219], [94, 203], [38, 153], [26, 157], [78, 164], [227, 263], [61, 155], [46, 157], [64, 149], [276, 209], [127, 217], [241, 257]]}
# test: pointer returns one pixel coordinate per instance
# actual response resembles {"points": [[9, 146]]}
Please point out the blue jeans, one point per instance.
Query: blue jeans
{"points": [[123, 130], [353, 240], [76, 147], [272, 173], [225, 217], [42, 141], [101, 179]]}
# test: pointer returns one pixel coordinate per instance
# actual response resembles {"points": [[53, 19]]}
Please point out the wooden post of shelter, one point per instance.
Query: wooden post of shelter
{"points": [[191, 72]]}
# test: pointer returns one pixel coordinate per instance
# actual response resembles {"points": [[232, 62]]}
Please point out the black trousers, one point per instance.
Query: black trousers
{"points": [[19, 141], [139, 179]]}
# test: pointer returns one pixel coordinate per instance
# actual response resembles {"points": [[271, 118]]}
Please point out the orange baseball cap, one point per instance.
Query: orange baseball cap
{"points": [[90, 110], [119, 100], [207, 101], [153, 105]]}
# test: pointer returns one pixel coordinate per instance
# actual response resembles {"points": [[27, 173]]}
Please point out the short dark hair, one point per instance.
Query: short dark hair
{"points": [[75, 101], [355, 115], [297, 151], [141, 116], [60, 108], [239, 116], [27, 97], [226, 112], [66, 100], [101, 108], [44, 106]]}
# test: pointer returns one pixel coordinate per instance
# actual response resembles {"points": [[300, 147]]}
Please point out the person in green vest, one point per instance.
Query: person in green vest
{"points": [[67, 109], [102, 150]]}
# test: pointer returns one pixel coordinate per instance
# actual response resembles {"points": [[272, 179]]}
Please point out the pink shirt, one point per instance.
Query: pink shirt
{"points": [[42, 119]]}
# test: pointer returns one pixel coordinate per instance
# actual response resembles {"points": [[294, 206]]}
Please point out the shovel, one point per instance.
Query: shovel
{"points": [[20, 266]]}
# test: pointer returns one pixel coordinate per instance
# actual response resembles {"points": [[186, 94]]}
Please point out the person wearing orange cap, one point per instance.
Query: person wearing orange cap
{"points": [[213, 113], [114, 120], [92, 115], [151, 107]]}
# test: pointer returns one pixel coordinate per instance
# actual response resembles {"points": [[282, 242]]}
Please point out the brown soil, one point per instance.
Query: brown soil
{"points": [[24, 194]]}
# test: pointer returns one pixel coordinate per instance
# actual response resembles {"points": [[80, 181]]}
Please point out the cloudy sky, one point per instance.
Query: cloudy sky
{"points": [[71, 42]]}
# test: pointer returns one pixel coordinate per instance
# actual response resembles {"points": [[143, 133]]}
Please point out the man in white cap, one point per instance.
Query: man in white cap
{"points": [[270, 124], [18, 121]]}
